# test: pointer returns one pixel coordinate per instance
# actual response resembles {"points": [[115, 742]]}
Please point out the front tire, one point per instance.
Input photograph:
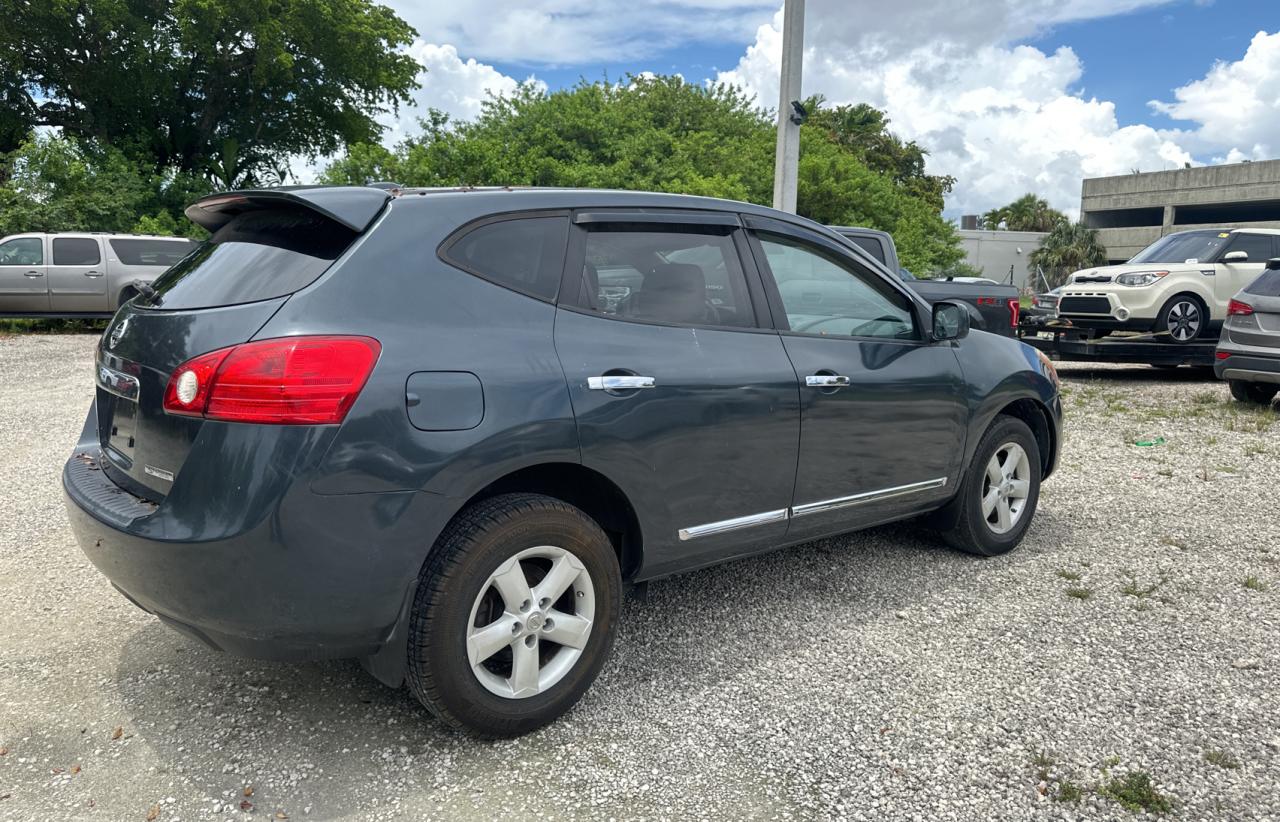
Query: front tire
{"points": [[1184, 319], [999, 491], [1257, 393], [515, 613]]}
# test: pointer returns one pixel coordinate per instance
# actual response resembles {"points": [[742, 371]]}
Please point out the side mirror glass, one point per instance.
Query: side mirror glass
{"points": [[1236, 257], [950, 321]]}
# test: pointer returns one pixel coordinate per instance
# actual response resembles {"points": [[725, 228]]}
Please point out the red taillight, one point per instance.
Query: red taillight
{"points": [[283, 381], [1015, 309], [1222, 355], [1237, 307]]}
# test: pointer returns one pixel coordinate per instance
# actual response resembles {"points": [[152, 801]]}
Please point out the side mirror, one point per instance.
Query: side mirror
{"points": [[950, 321], [1236, 257], [1273, 263]]}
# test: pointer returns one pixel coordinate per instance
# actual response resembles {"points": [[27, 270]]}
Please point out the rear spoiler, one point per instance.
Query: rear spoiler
{"points": [[352, 207]]}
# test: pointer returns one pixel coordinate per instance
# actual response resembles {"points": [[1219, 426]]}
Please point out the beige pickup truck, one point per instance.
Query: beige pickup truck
{"points": [[80, 275]]}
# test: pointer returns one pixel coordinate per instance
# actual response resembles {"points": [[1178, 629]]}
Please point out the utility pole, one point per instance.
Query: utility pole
{"points": [[790, 113]]}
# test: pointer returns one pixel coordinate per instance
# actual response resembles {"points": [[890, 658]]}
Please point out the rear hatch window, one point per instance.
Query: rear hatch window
{"points": [[258, 255], [1267, 285]]}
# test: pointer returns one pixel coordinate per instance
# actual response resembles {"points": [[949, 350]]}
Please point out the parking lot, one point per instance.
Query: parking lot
{"points": [[1124, 658]]}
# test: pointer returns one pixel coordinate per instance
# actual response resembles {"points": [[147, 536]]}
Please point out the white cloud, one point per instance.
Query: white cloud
{"points": [[1237, 104], [576, 32], [449, 83], [1003, 119]]}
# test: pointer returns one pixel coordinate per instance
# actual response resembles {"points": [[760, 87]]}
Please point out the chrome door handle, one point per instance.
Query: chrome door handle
{"points": [[34, 274], [825, 380], [92, 274], [620, 383]]}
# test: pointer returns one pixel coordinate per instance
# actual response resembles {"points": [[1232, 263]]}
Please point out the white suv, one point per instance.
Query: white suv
{"points": [[1178, 287]]}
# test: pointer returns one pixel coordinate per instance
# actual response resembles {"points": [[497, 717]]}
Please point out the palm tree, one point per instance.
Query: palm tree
{"points": [[1027, 213], [1069, 247]]}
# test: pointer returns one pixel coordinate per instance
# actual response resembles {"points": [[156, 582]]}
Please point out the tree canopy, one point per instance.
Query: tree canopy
{"points": [[226, 88], [1027, 213], [1069, 247], [663, 134]]}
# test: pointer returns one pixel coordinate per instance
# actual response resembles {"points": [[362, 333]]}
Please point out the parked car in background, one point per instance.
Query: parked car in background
{"points": [[992, 307], [80, 275], [1248, 355], [1178, 287], [441, 431]]}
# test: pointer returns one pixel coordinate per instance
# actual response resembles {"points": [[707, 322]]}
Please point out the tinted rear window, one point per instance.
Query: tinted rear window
{"points": [[257, 256], [151, 252], [1267, 285], [525, 254], [871, 245], [75, 251]]}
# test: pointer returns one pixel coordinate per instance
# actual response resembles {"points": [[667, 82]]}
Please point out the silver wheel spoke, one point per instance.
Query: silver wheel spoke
{"points": [[570, 630], [513, 586], [989, 502], [994, 475], [557, 580], [1019, 489], [1004, 517], [524, 668], [487, 641]]}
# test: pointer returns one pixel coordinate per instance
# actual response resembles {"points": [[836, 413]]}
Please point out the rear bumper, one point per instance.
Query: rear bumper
{"points": [[318, 577], [1247, 368]]}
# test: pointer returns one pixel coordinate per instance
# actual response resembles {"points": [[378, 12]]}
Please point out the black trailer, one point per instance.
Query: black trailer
{"points": [[1069, 344]]}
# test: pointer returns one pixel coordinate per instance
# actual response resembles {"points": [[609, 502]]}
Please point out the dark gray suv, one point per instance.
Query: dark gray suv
{"points": [[441, 431]]}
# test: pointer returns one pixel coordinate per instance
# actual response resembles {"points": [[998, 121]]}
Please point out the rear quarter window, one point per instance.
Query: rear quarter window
{"points": [[163, 253], [525, 254], [258, 255], [1267, 284], [871, 245]]}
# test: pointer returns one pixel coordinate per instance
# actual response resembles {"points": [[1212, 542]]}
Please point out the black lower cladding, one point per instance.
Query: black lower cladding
{"points": [[109, 500]]}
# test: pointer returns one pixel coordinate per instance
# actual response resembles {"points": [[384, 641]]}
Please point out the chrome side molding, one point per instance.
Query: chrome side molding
{"points": [[752, 520], [865, 497], [733, 524]]}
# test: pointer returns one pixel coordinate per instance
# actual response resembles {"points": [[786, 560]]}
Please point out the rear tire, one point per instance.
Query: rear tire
{"points": [[1183, 319], [1257, 393], [999, 491], [500, 668]]}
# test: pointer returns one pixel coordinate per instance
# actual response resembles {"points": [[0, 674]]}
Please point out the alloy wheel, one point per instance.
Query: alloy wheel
{"points": [[1005, 487], [530, 622], [1184, 320]]}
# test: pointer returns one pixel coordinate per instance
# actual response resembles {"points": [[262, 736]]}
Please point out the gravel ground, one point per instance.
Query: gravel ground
{"points": [[877, 676]]}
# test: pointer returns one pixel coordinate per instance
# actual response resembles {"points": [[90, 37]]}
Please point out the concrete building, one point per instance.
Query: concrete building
{"points": [[995, 252], [1132, 210]]}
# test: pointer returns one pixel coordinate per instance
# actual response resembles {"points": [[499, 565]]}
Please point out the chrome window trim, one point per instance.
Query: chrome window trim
{"points": [[734, 524], [752, 520], [865, 497]]}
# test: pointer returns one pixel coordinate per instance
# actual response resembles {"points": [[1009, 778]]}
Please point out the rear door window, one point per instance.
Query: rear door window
{"points": [[687, 275], [162, 253], [75, 251], [525, 254], [258, 255]]}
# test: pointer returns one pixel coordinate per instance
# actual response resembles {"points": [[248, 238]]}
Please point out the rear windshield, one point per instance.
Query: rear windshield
{"points": [[1267, 285], [151, 252], [257, 256]]}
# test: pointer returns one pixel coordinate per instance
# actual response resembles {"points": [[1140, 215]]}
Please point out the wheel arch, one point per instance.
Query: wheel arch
{"points": [[1038, 419], [589, 490]]}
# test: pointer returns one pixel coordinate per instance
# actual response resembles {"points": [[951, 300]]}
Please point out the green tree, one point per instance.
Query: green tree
{"points": [[54, 183], [1027, 213], [173, 83], [1069, 247], [864, 131], [654, 134]]}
